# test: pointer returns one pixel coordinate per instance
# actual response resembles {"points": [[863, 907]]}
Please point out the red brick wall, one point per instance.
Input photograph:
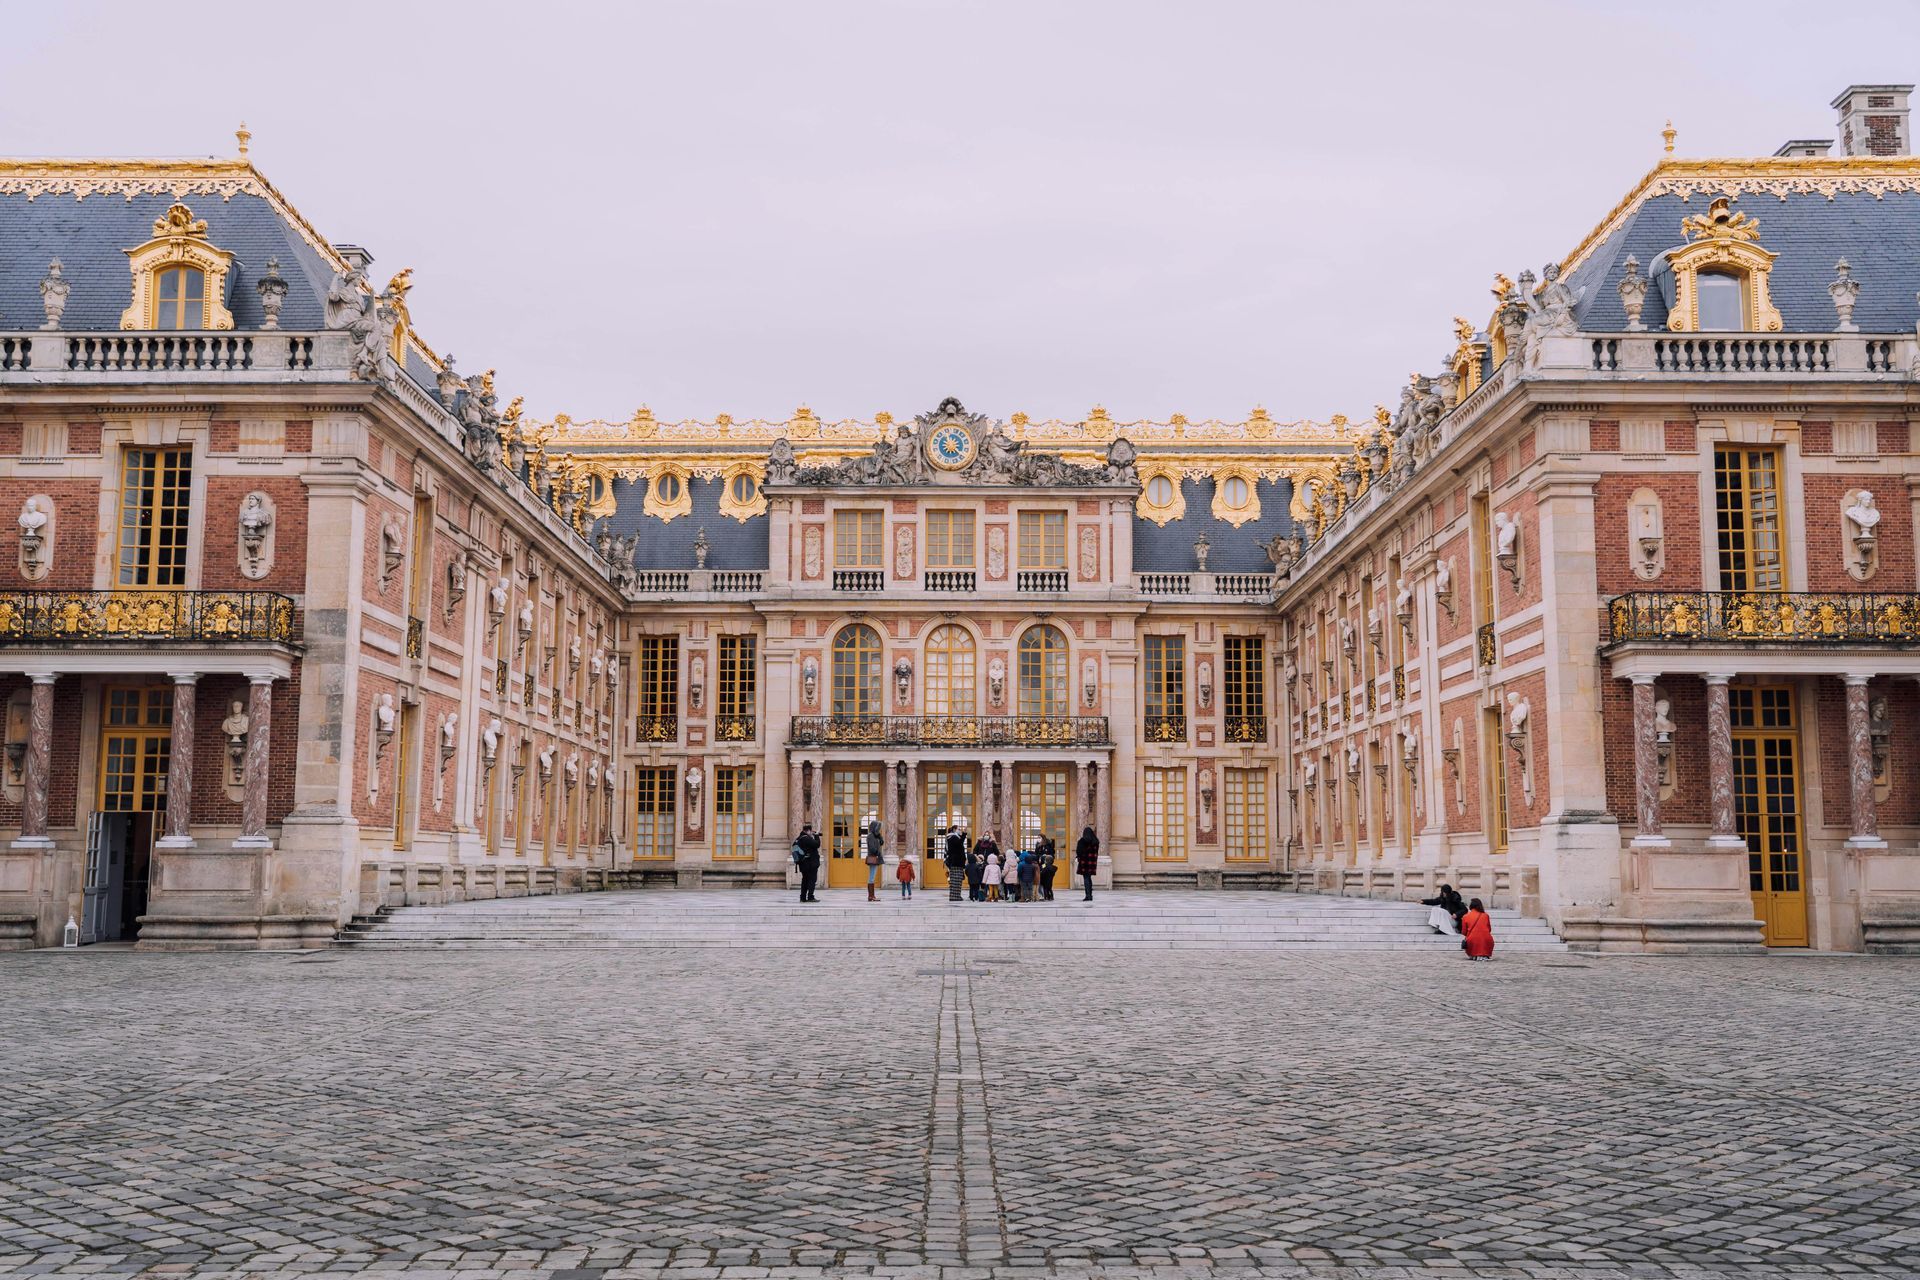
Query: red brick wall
{"points": [[1467, 712], [220, 556], [1816, 437], [1682, 438], [1540, 718], [1459, 549], [1827, 751], [379, 511], [1823, 551], [63, 780], [76, 514], [1680, 499], [1893, 437], [1603, 436], [1507, 601]]}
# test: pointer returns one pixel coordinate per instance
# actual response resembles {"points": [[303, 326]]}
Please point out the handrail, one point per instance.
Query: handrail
{"points": [[27, 617]]}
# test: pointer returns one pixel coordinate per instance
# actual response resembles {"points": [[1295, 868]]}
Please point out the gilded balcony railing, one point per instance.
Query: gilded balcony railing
{"points": [[1166, 729], [500, 679], [31, 617], [1242, 729], [949, 731], [733, 728], [1766, 617], [1486, 651], [416, 637], [657, 728]]}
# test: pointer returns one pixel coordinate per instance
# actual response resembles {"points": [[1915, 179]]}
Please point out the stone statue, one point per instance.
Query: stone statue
{"points": [[33, 518], [1845, 291], [526, 619], [448, 727], [1663, 719], [809, 680], [346, 299], [1403, 598], [383, 713], [905, 462], [1202, 548], [1506, 534], [237, 723], [272, 288], [694, 780], [903, 680], [1283, 551], [593, 775], [1310, 775], [448, 383], [700, 549], [497, 599], [1353, 760], [1518, 709], [1554, 304], [999, 453], [782, 466], [255, 520], [1863, 515], [1633, 294], [457, 570], [1121, 456], [546, 762], [1443, 577], [53, 295], [490, 740], [1090, 682], [996, 680], [573, 768], [573, 654]]}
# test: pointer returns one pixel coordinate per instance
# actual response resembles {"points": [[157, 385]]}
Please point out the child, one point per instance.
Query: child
{"points": [[904, 872], [991, 877]]}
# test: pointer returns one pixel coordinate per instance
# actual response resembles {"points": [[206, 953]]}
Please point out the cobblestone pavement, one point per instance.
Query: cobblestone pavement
{"points": [[943, 1115]]}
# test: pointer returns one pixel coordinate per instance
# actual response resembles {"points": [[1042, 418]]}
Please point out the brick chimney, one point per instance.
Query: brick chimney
{"points": [[1873, 120], [1806, 147], [356, 257]]}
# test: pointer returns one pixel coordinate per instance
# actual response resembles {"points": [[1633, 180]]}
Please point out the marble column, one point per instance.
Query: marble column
{"points": [[180, 764], [1720, 766], [1866, 820], [1100, 800], [1082, 798], [889, 804], [39, 771], [1646, 768], [916, 844], [796, 798], [253, 804]]}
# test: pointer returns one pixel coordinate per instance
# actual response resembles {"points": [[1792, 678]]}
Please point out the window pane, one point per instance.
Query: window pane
{"points": [[1720, 299]]}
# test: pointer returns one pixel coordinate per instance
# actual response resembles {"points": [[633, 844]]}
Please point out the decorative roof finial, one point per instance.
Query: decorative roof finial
{"points": [[1669, 134], [243, 136]]}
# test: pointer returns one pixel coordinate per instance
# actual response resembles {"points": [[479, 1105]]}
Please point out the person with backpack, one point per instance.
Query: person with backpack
{"points": [[876, 858], [806, 856], [1045, 858], [1029, 868], [956, 860]]}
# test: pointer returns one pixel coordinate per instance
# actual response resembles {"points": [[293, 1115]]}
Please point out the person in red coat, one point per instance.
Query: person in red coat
{"points": [[1476, 932]]}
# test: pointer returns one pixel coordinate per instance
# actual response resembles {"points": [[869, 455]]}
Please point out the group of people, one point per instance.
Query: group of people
{"points": [[1463, 918], [976, 868]]}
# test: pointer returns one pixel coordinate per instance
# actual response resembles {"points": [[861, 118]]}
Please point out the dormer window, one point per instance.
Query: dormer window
{"points": [[1722, 294], [1160, 497], [179, 277]]}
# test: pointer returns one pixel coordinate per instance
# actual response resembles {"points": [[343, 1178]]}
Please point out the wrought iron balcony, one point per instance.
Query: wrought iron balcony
{"points": [[657, 728], [416, 637], [1166, 728], [733, 728], [949, 731], [1765, 617], [1486, 649], [1243, 729], [859, 579], [38, 617]]}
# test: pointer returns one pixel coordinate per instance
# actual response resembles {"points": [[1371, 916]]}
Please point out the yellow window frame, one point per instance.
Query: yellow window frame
{"points": [[156, 517]]}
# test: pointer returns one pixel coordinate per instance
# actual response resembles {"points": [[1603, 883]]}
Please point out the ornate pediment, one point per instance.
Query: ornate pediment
{"points": [[951, 446]]}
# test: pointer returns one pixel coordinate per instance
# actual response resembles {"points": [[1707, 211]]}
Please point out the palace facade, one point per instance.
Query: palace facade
{"points": [[1614, 618]]}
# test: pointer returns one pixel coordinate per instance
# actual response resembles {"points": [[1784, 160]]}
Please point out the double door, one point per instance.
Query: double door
{"points": [[1766, 808], [853, 806], [949, 798], [136, 747]]}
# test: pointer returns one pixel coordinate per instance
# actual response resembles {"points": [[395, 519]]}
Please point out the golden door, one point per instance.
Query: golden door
{"points": [[1766, 809], [1045, 810], [947, 799], [853, 805]]}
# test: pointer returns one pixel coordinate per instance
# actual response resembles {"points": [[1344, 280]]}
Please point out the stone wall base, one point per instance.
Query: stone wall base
{"points": [[1671, 935], [1891, 934], [16, 933], [234, 933]]}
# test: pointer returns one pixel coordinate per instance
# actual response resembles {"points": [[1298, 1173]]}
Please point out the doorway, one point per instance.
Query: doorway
{"points": [[136, 748], [1766, 808], [947, 800], [853, 805], [1044, 812]]}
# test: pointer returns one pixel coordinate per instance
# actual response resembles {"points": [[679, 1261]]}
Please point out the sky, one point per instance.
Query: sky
{"points": [[741, 207]]}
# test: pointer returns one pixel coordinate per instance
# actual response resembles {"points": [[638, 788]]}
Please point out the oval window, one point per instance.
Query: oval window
{"points": [[1234, 491], [1160, 491], [667, 488], [743, 489]]}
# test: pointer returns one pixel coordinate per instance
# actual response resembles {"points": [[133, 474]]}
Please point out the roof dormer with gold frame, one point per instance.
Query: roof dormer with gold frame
{"points": [[179, 277], [1725, 244]]}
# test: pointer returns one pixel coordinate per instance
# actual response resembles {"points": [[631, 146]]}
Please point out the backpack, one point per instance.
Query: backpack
{"points": [[796, 853]]}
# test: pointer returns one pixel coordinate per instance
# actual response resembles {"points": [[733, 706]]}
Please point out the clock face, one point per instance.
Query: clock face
{"points": [[950, 448]]}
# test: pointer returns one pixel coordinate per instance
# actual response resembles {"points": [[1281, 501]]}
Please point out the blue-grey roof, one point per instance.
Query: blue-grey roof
{"points": [[1169, 548], [91, 236], [731, 544], [1879, 238]]}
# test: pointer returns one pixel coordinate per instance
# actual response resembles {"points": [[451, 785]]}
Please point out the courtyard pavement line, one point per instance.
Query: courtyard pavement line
{"points": [[965, 1223]]}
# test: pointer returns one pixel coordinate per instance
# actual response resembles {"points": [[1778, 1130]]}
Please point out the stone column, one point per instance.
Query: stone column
{"points": [[1646, 768], [1082, 798], [1866, 821], [796, 797], [916, 844], [33, 811], [890, 804], [180, 764], [253, 805], [1720, 766], [1100, 798]]}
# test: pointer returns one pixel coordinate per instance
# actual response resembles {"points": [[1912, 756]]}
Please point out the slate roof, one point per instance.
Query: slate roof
{"points": [[1169, 549], [669, 544]]}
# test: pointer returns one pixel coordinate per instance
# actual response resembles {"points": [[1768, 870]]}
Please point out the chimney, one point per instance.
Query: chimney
{"points": [[357, 258], [1806, 147], [1873, 120]]}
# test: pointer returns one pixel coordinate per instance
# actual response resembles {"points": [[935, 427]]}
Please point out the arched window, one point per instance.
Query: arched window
{"points": [[1722, 301], [949, 667], [856, 672], [180, 298], [1043, 672]]}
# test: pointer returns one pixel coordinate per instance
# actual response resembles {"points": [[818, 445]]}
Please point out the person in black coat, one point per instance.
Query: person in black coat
{"points": [[1448, 901], [976, 871], [806, 856], [1086, 859], [1045, 856], [956, 860]]}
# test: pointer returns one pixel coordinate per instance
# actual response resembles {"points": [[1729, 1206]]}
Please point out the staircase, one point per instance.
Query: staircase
{"points": [[1142, 919]]}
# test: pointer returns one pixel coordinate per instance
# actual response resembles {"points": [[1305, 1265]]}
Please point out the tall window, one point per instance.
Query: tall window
{"points": [[949, 665], [1482, 536], [856, 672], [1166, 693], [1245, 687], [1494, 733], [1747, 493], [1246, 814], [732, 813], [652, 813], [1722, 299], [1043, 672], [738, 688], [950, 539], [155, 485], [180, 299], [658, 688], [1165, 837], [1043, 539], [856, 539]]}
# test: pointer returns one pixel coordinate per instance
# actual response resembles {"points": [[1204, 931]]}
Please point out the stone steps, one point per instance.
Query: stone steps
{"points": [[1126, 919]]}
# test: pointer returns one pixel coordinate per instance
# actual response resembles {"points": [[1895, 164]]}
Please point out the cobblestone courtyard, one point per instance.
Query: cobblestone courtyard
{"points": [[742, 1112]]}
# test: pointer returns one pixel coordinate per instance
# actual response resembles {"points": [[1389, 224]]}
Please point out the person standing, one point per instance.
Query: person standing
{"points": [[876, 859], [904, 874], [1045, 859], [976, 870], [806, 856], [1029, 867], [1476, 932], [956, 861], [1086, 860], [991, 874]]}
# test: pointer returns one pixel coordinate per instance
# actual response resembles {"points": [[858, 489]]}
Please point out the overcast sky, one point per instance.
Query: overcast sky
{"points": [[742, 207]]}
